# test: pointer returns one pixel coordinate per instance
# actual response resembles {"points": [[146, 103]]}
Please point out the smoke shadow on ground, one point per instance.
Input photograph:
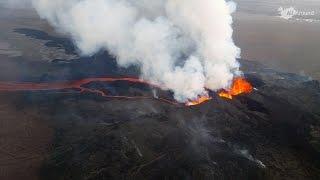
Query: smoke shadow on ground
{"points": [[58, 42], [100, 64]]}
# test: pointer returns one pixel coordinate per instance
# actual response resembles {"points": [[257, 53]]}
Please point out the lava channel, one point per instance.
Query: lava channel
{"points": [[239, 86], [79, 85]]}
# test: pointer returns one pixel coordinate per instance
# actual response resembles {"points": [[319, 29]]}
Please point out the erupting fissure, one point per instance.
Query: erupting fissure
{"points": [[239, 86]]}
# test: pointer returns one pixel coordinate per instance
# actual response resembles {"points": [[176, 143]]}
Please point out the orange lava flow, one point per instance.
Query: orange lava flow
{"points": [[79, 85], [198, 101], [30, 86], [239, 86]]}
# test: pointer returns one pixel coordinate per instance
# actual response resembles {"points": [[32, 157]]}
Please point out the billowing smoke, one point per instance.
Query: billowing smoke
{"points": [[184, 45]]}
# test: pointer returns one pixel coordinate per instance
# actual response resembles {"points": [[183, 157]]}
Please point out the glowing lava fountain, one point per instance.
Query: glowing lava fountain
{"points": [[239, 86]]}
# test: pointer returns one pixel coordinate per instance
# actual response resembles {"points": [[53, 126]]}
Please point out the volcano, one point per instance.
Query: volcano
{"points": [[86, 118], [270, 133]]}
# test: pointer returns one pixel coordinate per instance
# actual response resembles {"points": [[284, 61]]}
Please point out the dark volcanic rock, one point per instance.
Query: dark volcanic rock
{"points": [[272, 133]]}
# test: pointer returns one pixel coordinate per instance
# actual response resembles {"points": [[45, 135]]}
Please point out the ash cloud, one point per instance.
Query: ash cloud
{"points": [[185, 46]]}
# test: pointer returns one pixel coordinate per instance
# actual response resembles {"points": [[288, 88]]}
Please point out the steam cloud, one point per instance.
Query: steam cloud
{"points": [[184, 45]]}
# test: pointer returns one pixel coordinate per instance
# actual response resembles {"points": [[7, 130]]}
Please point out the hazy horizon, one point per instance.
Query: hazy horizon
{"points": [[286, 45]]}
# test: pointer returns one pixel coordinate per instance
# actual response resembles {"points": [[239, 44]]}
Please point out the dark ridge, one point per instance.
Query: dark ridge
{"points": [[253, 105], [314, 84], [254, 80]]}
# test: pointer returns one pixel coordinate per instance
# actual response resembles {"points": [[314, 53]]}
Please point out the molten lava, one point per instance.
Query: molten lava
{"points": [[198, 101], [80, 86], [239, 86]]}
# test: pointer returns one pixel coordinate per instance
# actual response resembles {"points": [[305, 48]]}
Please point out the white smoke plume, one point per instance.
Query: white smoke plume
{"points": [[184, 45]]}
